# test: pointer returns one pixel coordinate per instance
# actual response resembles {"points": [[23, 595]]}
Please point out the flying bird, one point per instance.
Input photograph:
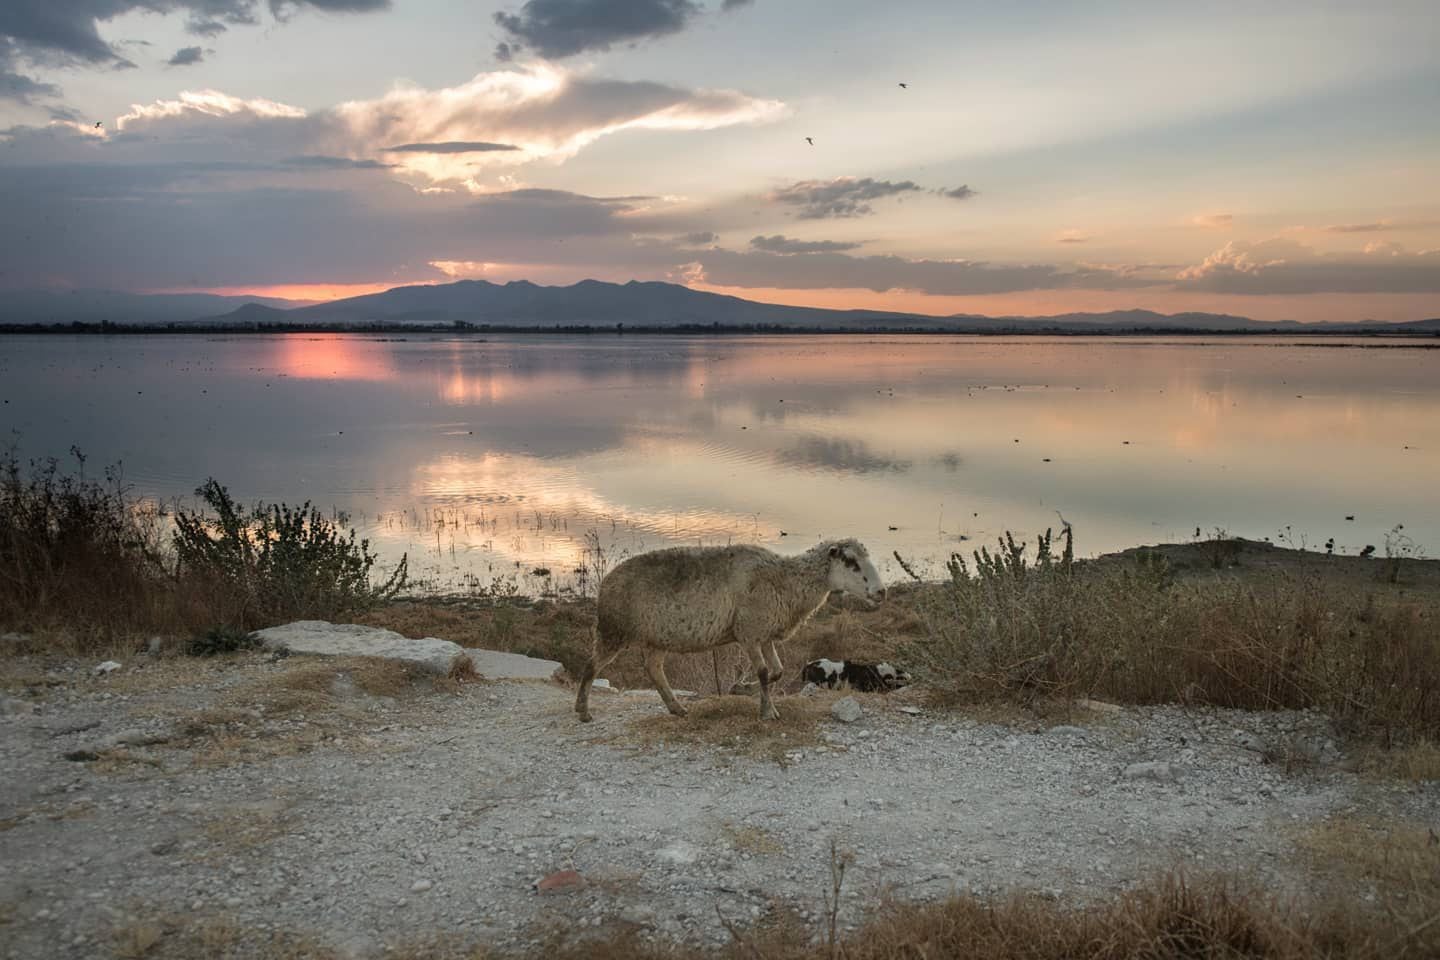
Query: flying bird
{"points": [[904, 86], [810, 140], [99, 123]]}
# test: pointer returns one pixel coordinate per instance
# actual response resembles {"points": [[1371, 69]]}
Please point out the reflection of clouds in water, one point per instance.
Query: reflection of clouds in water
{"points": [[834, 453], [684, 439], [510, 506]]}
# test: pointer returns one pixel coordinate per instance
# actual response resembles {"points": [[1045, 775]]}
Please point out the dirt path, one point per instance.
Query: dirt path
{"points": [[367, 821]]}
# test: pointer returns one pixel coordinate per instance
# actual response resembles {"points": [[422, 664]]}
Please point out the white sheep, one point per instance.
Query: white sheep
{"points": [[691, 599]]}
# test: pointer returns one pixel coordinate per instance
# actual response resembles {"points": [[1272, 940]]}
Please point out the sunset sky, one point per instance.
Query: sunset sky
{"points": [[1278, 159]]}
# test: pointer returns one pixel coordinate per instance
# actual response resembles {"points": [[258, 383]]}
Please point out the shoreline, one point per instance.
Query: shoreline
{"points": [[473, 329]]}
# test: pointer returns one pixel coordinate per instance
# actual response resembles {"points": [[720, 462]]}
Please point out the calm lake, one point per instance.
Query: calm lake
{"points": [[491, 458]]}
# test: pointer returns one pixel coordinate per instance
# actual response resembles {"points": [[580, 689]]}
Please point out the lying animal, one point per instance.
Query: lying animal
{"points": [[865, 677]]}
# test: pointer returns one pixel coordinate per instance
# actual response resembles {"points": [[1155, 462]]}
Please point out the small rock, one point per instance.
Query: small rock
{"points": [[1161, 770], [154, 646], [911, 711], [639, 916], [164, 847], [846, 710], [562, 881], [679, 852], [1099, 706], [109, 666], [809, 690], [420, 886]]}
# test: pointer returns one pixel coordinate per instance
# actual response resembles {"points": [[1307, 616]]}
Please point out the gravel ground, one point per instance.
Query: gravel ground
{"points": [[438, 813]]}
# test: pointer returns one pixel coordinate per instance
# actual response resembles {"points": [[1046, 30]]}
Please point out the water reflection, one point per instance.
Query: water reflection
{"points": [[496, 455]]}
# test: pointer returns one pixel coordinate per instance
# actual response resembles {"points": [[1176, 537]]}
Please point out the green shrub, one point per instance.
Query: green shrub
{"points": [[221, 639], [275, 562]]}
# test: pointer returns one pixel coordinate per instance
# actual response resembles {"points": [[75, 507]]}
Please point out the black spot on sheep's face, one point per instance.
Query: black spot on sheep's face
{"points": [[852, 572]]}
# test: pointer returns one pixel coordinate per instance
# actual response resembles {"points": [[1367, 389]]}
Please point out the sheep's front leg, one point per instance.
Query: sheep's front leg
{"points": [[762, 671], [655, 666]]}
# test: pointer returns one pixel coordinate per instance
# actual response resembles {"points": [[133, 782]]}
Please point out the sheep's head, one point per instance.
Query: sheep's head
{"points": [[851, 570]]}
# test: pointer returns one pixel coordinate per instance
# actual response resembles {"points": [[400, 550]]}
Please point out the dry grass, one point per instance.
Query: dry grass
{"points": [[247, 828], [1418, 761], [1169, 918], [734, 725], [1268, 638], [1394, 862], [745, 838], [175, 937]]}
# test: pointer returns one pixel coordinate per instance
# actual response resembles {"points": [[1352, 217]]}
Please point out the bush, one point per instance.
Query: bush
{"points": [[78, 552], [275, 562], [86, 557], [1135, 634], [223, 639]]}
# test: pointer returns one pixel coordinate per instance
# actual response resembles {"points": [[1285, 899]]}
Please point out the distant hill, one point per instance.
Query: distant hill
{"points": [[589, 303], [521, 305], [653, 305], [111, 306]]}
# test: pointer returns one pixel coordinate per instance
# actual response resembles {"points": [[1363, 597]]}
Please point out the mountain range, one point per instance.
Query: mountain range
{"points": [[595, 304]]}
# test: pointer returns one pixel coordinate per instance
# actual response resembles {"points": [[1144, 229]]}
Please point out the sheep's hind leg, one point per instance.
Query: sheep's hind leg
{"points": [[655, 666], [598, 661], [772, 660], [762, 671]]}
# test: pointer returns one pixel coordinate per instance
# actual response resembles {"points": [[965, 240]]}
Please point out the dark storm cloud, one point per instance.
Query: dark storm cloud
{"points": [[563, 28], [841, 197], [451, 146], [783, 244], [962, 192], [729, 5], [185, 56]]}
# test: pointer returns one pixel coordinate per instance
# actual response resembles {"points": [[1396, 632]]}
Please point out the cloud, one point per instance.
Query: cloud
{"points": [[446, 137], [729, 5], [962, 192], [1376, 227], [838, 198], [320, 162], [699, 238], [16, 86], [452, 146], [783, 244], [1280, 266], [67, 32], [809, 271], [563, 28], [1214, 221], [1074, 236], [185, 56]]}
